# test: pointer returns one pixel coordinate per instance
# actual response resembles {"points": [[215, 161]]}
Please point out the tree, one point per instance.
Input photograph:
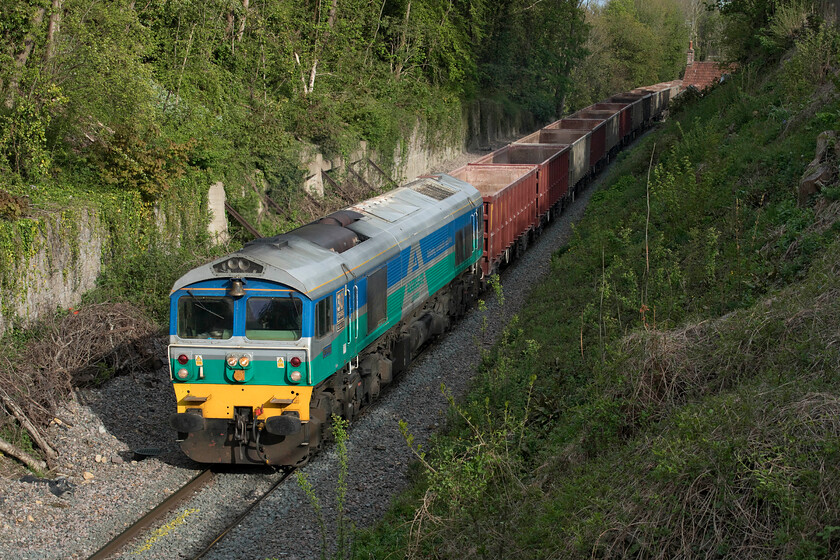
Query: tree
{"points": [[632, 43]]}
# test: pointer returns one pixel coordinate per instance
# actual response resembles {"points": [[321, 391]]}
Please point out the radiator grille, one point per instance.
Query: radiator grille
{"points": [[433, 190]]}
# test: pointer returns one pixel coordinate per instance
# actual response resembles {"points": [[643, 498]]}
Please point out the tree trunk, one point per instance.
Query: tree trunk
{"points": [[310, 87], [403, 42], [312, 73], [52, 30], [331, 17], [22, 57], [29, 40], [33, 431], [245, 4], [231, 18]]}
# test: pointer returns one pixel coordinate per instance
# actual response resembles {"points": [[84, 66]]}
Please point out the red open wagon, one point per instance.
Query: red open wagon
{"points": [[510, 206], [553, 174]]}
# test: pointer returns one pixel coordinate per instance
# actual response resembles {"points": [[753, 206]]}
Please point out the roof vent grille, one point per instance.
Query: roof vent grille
{"points": [[433, 189]]}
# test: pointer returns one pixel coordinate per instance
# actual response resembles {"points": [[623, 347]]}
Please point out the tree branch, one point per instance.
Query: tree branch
{"points": [[21, 455], [33, 431]]}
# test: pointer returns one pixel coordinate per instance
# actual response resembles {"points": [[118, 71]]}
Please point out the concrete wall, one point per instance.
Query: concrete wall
{"points": [[216, 203], [483, 123]]}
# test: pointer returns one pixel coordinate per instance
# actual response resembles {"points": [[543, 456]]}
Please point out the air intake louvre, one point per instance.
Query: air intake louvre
{"points": [[433, 190]]}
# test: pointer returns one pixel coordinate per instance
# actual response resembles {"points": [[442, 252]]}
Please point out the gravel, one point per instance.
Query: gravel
{"points": [[102, 484]]}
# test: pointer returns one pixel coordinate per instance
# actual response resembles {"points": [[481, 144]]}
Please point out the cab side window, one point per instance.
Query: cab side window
{"points": [[377, 298], [463, 244], [323, 317]]}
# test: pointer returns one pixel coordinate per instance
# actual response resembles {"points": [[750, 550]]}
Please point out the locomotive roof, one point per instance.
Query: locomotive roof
{"points": [[314, 259]]}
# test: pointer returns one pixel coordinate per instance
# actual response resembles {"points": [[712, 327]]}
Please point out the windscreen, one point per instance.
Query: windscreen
{"points": [[271, 318], [205, 316]]}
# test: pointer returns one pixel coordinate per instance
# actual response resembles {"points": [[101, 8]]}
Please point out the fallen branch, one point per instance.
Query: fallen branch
{"points": [[22, 456], [33, 431]]}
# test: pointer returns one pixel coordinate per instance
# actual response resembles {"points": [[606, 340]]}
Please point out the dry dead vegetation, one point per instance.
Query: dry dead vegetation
{"points": [[82, 348], [742, 505], [743, 461]]}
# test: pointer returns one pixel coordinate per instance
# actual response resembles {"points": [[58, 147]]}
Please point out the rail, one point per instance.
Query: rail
{"points": [[165, 507]]}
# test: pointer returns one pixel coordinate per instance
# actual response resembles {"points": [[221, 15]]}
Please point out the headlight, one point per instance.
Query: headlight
{"points": [[295, 376], [183, 373], [231, 361], [244, 361]]}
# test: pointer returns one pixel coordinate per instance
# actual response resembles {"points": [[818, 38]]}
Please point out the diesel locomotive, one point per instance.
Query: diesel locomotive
{"points": [[268, 342]]}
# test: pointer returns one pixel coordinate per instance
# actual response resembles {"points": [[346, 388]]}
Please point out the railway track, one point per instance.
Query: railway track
{"points": [[155, 516], [286, 474], [167, 506], [116, 544]]}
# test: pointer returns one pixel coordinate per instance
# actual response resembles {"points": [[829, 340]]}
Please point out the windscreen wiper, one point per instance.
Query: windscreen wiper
{"points": [[202, 306]]}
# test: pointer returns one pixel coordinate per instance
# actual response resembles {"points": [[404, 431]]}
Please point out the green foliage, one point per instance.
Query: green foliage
{"points": [[632, 43], [142, 164], [530, 51], [478, 469], [816, 54], [23, 136], [766, 29], [137, 98], [12, 207], [344, 544], [684, 380], [744, 21]]}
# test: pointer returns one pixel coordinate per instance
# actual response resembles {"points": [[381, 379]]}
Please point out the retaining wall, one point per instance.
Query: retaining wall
{"points": [[63, 259]]}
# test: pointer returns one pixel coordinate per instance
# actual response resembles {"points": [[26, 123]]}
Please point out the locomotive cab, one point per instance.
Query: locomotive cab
{"points": [[240, 361]]}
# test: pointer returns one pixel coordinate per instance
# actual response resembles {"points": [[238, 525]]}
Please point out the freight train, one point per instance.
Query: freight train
{"points": [[268, 342]]}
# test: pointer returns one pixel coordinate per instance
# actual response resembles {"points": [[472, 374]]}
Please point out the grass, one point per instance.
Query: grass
{"points": [[681, 397]]}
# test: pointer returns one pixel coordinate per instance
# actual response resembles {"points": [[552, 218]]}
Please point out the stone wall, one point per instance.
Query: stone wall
{"points": [[65, 260], [64, 263]]}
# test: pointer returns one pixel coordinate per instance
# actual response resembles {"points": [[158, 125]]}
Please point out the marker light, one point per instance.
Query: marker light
{"points": [[183, 373], [295, 361], [231, 361], [239, 375], [182, 359], [295, 376], [244, 361]]}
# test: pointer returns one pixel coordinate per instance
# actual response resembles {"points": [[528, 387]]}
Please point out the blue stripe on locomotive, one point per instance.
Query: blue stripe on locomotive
{"points": [[431, 247]]}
